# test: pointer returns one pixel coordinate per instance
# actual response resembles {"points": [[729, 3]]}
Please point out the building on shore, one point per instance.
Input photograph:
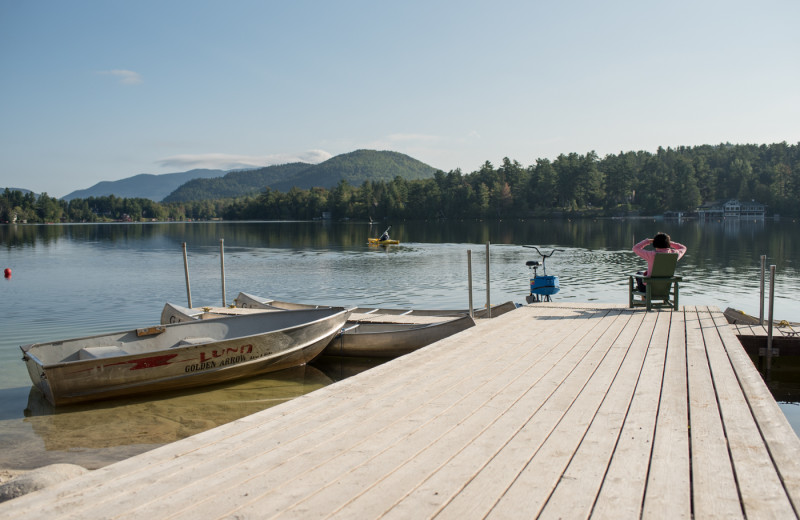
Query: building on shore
{"points": [[732, 209]]}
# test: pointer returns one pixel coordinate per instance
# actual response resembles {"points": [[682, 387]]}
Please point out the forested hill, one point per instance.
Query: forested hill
{"points": [[235, 184], [354, 167], [357, 167]]}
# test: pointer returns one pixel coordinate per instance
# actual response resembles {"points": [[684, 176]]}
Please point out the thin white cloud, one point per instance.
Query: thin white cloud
{"points": [[126, 77], [221, 161]]}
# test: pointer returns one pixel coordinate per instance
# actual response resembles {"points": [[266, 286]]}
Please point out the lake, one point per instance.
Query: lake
{"points": [[83, 279]]}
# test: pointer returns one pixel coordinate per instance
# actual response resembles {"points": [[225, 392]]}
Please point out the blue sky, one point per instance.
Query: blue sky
{"points": [[103, 90]]}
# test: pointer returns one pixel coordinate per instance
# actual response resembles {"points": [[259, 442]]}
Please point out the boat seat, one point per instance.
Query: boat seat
{"points": [[100, 352], [194, 341]]}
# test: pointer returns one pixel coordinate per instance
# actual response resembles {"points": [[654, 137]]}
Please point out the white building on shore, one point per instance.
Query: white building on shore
{"points": [[732, 209]]}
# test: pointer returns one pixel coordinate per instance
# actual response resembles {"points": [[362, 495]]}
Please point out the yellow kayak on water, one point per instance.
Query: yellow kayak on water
{"points": [[379, 242]]}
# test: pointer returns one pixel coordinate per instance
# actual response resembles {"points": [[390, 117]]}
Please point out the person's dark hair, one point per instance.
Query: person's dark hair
{"points": [[661, 241]]}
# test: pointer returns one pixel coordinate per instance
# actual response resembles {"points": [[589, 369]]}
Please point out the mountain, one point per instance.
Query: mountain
{"points": [[145, 185], [357, 167], [354, 167]]}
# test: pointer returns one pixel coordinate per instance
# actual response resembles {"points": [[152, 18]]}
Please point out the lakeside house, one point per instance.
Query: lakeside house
{"points": [[732, 209]]}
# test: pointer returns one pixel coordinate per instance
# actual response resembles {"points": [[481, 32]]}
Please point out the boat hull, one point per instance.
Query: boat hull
{"points": [[82, 377], [391, 340]]}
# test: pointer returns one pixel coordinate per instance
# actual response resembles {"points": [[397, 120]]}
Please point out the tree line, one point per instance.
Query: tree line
{"points": [[671, 179]]}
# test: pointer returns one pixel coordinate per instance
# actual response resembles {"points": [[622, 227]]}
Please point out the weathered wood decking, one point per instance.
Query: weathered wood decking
{"points": [[548, 411]]}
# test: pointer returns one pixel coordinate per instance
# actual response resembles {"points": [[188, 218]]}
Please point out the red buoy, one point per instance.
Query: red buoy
{"points": [[7, 272]]}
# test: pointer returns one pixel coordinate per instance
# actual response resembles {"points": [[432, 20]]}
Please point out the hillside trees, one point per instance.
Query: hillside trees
{"points": [[48, 209], [620, 177], [685, 195], [543, 185]]}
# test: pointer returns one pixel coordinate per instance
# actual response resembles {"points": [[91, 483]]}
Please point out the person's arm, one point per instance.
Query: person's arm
{"points": [[679, 248], [639, 248]]}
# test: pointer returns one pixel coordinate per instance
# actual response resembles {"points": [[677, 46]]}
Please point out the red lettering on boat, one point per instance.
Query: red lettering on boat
{"points": [[148, 362], [204, 356]]}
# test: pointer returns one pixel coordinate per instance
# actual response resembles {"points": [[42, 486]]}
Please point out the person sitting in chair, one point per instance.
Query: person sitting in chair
{"points": [[660, 243]]}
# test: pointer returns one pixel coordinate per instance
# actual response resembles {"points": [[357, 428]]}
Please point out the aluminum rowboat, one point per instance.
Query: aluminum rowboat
{"points": [[182, 355]]}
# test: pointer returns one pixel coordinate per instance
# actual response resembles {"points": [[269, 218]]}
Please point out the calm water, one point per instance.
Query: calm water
{"points": [[78, 280]]}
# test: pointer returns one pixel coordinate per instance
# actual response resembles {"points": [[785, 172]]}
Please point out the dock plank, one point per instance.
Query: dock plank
{"points": [[668, 485], [714, 483]]}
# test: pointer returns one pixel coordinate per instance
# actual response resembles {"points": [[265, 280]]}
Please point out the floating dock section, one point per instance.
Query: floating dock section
{"points": [[549, 411], [754, 336]]}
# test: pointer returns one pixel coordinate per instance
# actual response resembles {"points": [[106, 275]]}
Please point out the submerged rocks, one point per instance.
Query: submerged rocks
{"points": [[38, 479]]}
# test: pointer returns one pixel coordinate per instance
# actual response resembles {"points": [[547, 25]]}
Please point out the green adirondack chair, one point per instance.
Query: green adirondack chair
{"points": [[661, 284]]}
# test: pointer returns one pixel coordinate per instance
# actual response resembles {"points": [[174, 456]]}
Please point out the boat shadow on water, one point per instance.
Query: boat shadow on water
{"points": [[339, 368], [99, 433]]}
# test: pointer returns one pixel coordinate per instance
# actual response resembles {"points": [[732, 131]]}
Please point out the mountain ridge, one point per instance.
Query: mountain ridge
{"points": [[144, 185], [206, 184]]}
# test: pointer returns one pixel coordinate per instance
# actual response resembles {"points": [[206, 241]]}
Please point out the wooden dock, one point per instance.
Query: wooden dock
{"points": [[549, 411]]}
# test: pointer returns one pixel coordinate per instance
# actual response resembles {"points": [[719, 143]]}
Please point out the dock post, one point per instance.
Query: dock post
{"points": [[469, 281], [222, 267], [488, 302], [761, 300], [769, 323], [186, 270]]}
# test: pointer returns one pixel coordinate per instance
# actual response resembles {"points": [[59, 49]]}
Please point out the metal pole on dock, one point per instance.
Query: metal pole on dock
{"points": [[761, 300], [769, 323], [488, 302], [222, 267], [186, 270], [469, 281]]}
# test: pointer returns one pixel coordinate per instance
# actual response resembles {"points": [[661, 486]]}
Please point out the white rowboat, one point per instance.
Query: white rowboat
{"points": [[249, 301]]}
